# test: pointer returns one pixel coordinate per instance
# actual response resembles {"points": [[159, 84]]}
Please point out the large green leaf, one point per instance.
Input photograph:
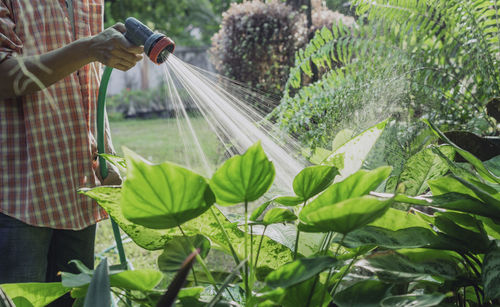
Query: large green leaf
{"points": [[414, 264], [423, 166], [272, 253], [151, 239], [345, 216], [417, 300], [453, 201], [355, 151], [243, 178], [141, 280], [34, 294], [394, 219], [99, 292], [278, 215], [178, 249], [464, 228], [367, 293], [478, 165], [491, 273], [313, 180], [358, 184], [163, 195], [411, 237], [298, 271]]}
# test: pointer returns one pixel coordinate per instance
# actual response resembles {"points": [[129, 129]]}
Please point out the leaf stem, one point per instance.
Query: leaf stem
{"points": [[295, 251], [260, 245], [200, 261], [245, 233], [226, 236]]}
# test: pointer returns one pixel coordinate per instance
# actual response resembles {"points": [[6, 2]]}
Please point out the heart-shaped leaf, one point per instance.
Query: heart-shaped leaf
{"points": [[359, 184], [278, 215], [313, 180], [163, 195], [345, 216], [178, 249], [298, 271], [243, 178]]}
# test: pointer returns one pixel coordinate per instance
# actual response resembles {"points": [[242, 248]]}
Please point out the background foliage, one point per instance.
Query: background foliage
{"points": [[411, 59]]}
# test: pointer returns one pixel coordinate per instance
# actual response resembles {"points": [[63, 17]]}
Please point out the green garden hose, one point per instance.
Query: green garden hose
{"points": [[101, 107]]}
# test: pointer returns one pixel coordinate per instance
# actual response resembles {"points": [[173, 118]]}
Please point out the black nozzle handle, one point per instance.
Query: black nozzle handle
{"points": [[137, 32]]}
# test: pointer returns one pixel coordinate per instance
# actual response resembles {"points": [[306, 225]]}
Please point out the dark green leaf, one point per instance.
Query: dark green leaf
{"points": [[345, 216], [411, 237], [491, 273], [420, 300], [164, 195], [243, 178], [178, 249], [485, 173], [313, 180], [99, 292], [298, 271], [464, 228], [413, 264], [366, 293]]}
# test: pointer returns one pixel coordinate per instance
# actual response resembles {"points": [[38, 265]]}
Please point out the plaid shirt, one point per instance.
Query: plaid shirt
{"points": [[46, 138]]}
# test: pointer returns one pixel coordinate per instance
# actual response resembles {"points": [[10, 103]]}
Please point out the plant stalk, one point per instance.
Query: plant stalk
{"points": [[260, 244]]}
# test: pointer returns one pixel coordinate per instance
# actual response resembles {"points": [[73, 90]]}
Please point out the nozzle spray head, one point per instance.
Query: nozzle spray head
{"points": [[156, 45]]}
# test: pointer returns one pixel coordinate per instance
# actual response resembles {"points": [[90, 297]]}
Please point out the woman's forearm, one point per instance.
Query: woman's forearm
{"points": [[21, 76], [24, 75]]}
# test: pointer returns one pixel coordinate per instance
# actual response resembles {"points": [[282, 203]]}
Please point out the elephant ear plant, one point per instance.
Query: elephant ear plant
{"points": [[426, 234]]}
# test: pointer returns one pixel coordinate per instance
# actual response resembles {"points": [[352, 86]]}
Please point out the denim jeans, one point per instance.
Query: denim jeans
{"points": [[37, 254]]}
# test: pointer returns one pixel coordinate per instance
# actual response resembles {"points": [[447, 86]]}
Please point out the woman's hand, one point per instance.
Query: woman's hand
{"points": [[111, 48]]}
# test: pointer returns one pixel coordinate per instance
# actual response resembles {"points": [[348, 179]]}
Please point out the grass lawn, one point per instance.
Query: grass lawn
{"points": [[157, 140]]}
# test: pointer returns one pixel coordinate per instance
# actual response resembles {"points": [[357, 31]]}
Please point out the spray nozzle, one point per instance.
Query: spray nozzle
{"points": [[156, 45]]}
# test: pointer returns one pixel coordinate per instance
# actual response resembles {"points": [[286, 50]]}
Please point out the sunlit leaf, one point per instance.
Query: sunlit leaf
{"points": [[278, 215], [163, 195], [356, 150], [243, 178], [259, 210], [289, 200], [313, 180], [34, 294], [358, 184]]}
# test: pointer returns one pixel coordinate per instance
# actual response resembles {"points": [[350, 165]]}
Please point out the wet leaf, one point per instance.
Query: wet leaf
{"points": [[178, 249]]}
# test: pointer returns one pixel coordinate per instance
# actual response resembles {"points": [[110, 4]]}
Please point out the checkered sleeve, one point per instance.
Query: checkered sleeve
{"points": [[9, 41]]}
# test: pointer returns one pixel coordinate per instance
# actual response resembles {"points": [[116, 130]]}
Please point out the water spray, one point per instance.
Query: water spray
{"points": [[157, 47]]}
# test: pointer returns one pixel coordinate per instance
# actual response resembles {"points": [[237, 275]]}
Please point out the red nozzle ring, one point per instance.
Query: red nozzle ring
{"points": [[162, 44]]}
